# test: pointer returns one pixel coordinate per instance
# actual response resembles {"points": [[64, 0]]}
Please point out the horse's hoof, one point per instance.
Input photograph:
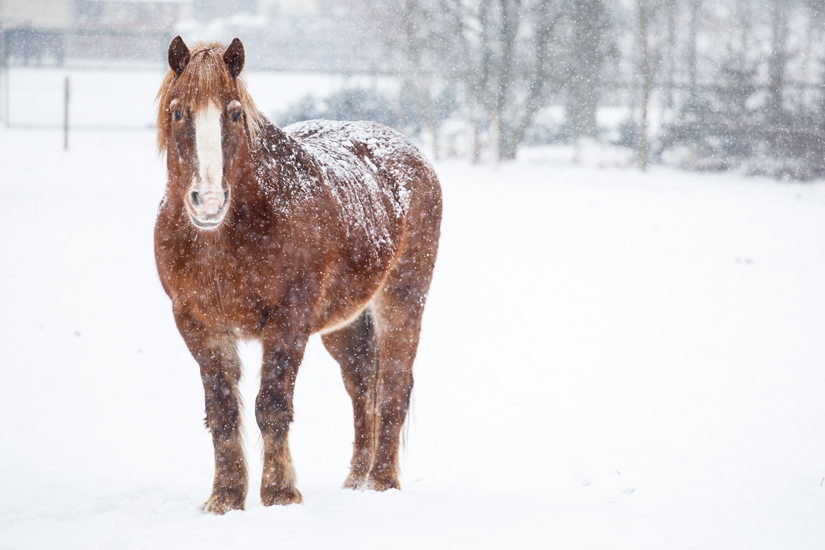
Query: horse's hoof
{"points": [[222, 502], [280, 497], [378, 483], [355, 482]]}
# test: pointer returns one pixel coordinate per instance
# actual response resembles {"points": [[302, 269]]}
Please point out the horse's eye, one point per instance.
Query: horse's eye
{"points": [[236, 117], [176, 114]]}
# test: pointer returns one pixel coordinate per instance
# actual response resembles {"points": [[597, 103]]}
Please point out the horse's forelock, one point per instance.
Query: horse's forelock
{"points": [[205, 79]]}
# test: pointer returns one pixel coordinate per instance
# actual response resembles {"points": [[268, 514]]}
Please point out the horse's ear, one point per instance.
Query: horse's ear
{"points": [[178, 55], [234, 57]]}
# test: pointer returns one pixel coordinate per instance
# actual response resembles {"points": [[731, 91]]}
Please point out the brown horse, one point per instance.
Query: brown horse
{"points": [[269, 234]]}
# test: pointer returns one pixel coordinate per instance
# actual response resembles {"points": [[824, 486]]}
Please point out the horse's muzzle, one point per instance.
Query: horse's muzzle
{"points": [[207, 210]]}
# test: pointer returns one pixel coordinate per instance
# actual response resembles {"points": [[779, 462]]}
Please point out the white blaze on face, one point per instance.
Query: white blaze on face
{"points": [[207, 182]]}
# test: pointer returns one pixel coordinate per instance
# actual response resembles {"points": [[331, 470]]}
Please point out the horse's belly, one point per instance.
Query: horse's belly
{"points": [[348, 291], [337, 322]]}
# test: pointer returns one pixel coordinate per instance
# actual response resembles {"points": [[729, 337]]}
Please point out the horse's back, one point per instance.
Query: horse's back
{"points": [[397, 173], [382, 149]]}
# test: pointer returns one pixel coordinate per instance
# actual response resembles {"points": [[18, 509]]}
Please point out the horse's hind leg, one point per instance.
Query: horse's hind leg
{"points": [[356, 349], [398, 327], [396, 311]]}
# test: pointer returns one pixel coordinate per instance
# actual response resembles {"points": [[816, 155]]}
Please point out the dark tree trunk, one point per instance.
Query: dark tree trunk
{"points": [[647, 80], [585, 69], [777, 58]]}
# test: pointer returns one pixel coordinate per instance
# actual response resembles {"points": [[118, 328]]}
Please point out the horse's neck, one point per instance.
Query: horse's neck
{"points": [[275, 142], [282, 163], [274, 146]]}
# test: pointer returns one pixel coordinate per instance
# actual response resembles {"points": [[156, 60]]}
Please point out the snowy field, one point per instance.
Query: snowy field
{"points": [[609, 360]]}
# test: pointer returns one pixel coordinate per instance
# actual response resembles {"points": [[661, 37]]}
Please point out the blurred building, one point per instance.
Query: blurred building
{"points": [[34, 29], [49, 31], [211, 9], [44, 14], [149, 15], [314, 35], [279, 8]]}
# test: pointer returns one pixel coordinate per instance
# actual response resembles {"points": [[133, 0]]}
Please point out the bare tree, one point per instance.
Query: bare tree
{"points": [[646, 11], [416, 29], [507, 59], [695, 7], [777, 58], [586, 51], [504, 61]]}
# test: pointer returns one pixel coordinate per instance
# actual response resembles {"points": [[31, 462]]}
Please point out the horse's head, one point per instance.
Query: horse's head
{"points": [[206, 125]]}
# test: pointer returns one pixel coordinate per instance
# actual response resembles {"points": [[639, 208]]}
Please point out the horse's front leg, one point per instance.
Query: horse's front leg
{"points": [[273, 411], [220, 372]]}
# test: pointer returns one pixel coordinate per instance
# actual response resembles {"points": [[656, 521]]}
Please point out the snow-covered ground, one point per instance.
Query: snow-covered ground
{"points": [[609, 359]]}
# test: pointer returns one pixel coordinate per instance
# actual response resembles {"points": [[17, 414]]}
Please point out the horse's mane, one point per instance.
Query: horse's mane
{"points": [[206, 78]]}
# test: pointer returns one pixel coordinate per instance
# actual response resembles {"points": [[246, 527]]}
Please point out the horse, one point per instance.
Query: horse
{"points": [[274, 235]]}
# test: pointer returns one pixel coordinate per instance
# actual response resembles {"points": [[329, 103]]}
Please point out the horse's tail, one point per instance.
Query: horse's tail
{"points": [[373, 364]]}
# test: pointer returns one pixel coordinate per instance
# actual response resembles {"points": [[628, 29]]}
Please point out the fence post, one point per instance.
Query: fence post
{"points": [[4, 73], [66, 115]]}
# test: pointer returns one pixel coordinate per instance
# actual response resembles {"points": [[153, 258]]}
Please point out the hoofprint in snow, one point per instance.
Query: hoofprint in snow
{"points": [[609, 359]]}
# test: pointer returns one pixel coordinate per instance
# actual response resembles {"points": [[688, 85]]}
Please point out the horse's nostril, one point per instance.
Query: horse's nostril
{"points": [[196, 198], [226, 195]]}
